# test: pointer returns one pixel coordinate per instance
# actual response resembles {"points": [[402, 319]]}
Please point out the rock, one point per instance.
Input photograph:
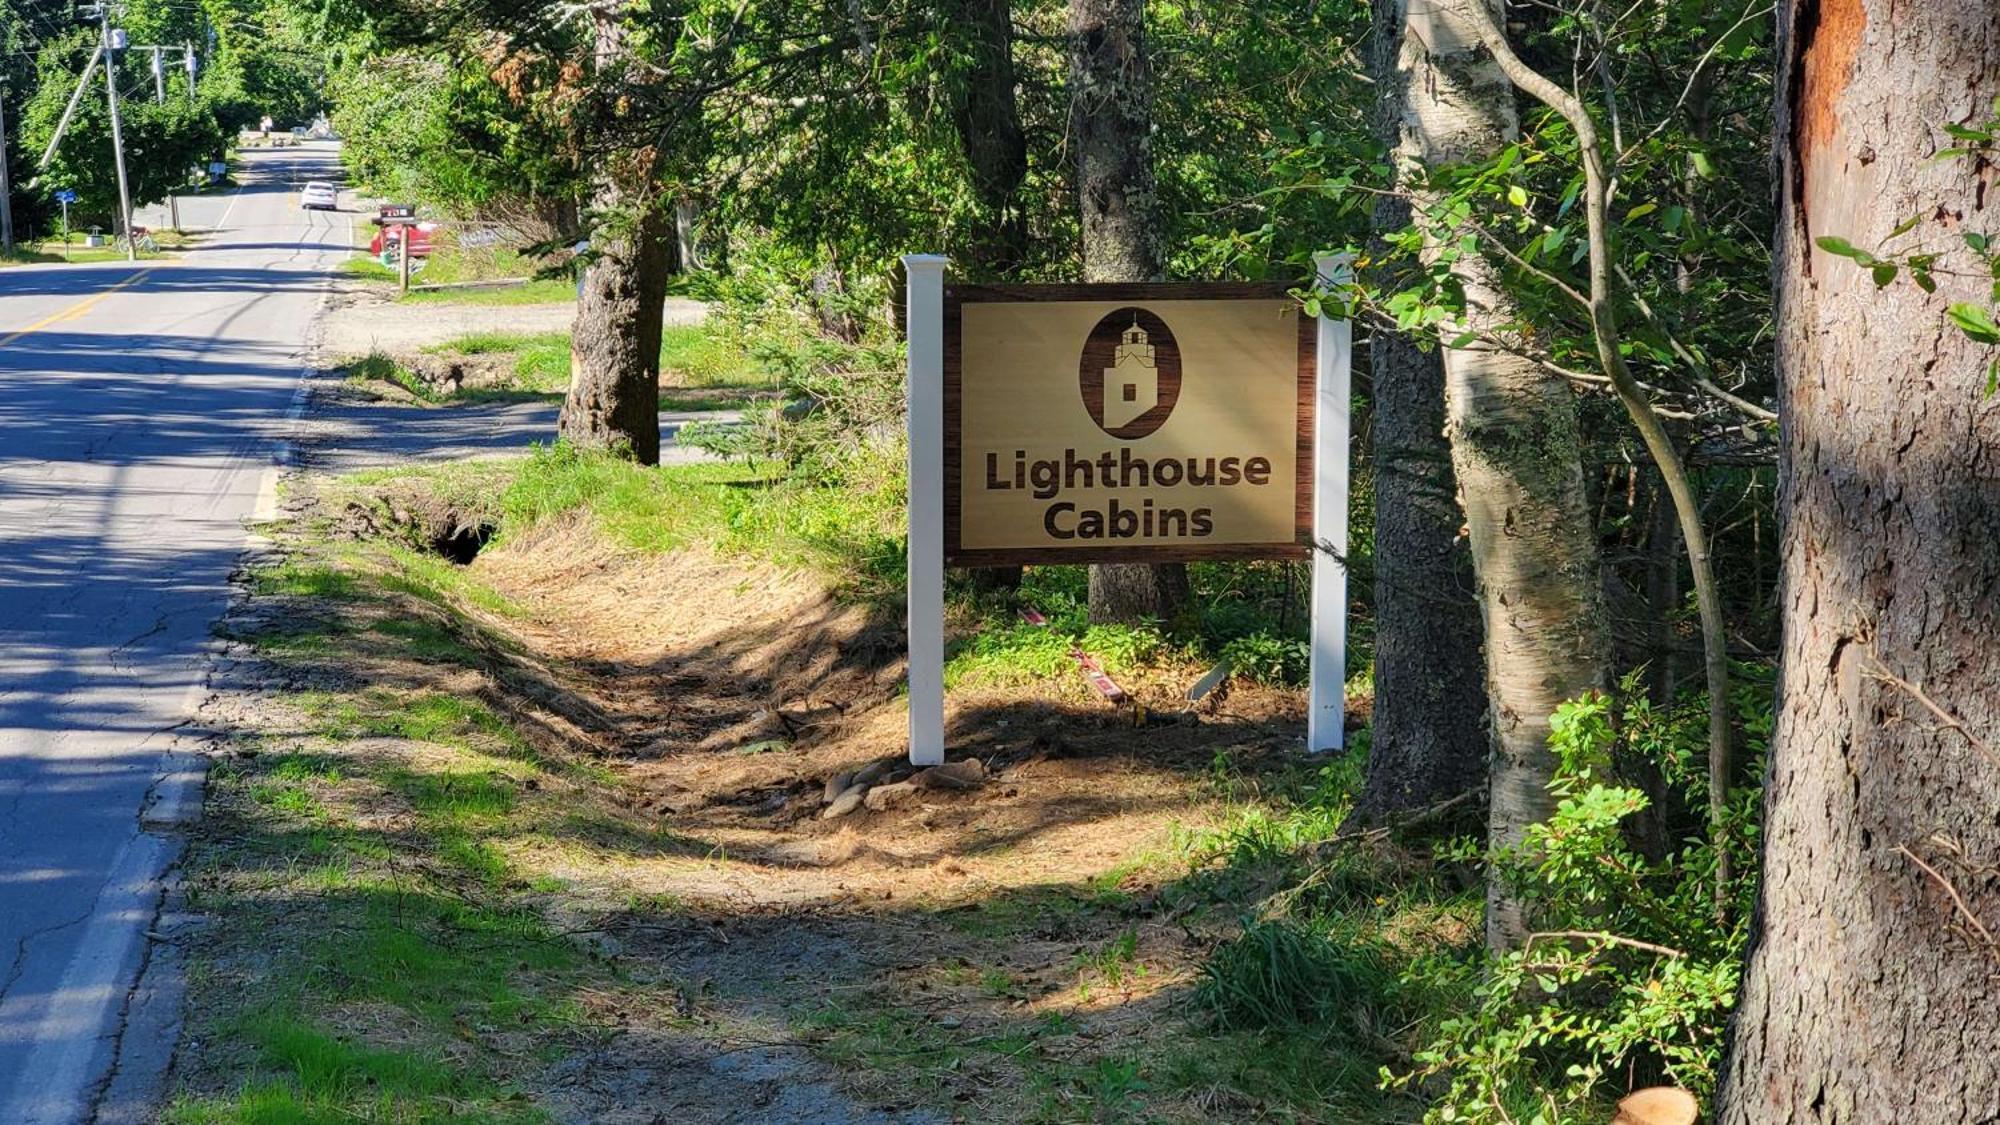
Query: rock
{"points": [[835, 786], [883, 797], [968, 774], [846, 803], [873, 771]]}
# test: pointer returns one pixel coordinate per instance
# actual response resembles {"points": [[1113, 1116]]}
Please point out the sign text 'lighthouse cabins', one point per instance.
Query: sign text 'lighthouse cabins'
{"points": [[1123, 423]]}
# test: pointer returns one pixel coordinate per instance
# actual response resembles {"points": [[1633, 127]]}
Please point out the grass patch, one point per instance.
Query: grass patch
{"points": [[847, 536], [694, 355], [545, 291], [366, 268], [377, 367]]}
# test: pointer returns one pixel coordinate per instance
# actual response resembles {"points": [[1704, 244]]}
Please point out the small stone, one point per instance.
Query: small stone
{"points": [[846, 803], [882, 797], [835, 786], [968, 774], [873, 771]]}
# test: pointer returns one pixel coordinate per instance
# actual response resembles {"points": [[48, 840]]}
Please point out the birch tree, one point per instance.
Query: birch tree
{"points": [[1515, 445]]}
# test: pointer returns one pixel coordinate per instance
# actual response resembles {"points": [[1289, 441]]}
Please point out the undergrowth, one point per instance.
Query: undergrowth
{"points": [[1365, 947]]}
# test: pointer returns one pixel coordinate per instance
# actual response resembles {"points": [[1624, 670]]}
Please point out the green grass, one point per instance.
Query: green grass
{"points": [[367, 269], [847, 536], [694, 355], [53, 250], [379, 367], [546, 291]]}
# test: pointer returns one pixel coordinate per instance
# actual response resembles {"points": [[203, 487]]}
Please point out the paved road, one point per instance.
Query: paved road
{"points": [[140, 406]]}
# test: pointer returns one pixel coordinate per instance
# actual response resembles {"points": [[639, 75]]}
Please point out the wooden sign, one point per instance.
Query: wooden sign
{"points": [[1126, 423]]}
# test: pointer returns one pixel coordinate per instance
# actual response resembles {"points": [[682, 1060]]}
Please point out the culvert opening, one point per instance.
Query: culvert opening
{"points": [[463, 544]]}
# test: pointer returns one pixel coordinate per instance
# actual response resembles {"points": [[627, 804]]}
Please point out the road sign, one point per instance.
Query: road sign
{"points": [[65, 196]]}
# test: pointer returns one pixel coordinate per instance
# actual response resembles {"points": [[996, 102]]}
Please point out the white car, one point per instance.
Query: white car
{"points": [[319, 196]]}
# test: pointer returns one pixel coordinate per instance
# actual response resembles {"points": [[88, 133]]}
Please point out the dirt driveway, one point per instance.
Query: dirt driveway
{"points": [[366, 319]]}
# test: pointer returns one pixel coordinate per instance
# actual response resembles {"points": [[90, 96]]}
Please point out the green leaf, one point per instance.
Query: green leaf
{"points": [[1462, 339], [1833, 244], [1961, 132], [1905, 227], [1978, 242], [1975, 322], [1884, 273], [1702, 165], [1641, 211], [1517, 195], [1992, 378]]}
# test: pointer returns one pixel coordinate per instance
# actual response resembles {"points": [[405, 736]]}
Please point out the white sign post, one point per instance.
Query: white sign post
{"points": [[1326, 714], [925, 320]]}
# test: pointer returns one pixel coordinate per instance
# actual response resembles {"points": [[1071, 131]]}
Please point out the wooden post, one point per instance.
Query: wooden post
{"points": [[403, 256], [926, 544], [1326, 715]]}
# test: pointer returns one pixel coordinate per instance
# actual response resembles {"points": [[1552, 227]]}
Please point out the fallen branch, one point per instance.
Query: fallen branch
{"points": [[1609, 938]]}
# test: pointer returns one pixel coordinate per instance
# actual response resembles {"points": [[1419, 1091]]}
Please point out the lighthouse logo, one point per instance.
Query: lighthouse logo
{"points": [[1130, 373]]}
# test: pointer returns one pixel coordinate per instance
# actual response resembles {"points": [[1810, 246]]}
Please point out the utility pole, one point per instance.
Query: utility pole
{"points": [[69, 111], [6, 184], [189, 48], [117, 129], [160, 97]]}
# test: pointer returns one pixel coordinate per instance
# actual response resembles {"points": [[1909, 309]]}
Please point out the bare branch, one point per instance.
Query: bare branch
{"points": [[1608, 938], [1957, 900]]}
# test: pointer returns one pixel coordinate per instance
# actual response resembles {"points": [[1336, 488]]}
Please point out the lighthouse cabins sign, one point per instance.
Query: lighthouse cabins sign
{"points": [[1113, 423], [1124, 423]]}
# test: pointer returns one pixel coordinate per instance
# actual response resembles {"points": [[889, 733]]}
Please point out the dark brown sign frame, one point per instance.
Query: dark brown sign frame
{"points": [[957, 296]]}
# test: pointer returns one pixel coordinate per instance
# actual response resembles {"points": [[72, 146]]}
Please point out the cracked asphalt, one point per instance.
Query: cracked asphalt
{"points": [[141, 406]]}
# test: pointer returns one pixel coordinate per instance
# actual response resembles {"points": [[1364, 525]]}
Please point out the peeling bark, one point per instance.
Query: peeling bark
{"points": [[1517, 452], [1871, 995]]}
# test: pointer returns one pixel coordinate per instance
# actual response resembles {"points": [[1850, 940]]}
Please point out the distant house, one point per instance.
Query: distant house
{"points": [[1132, 382]]}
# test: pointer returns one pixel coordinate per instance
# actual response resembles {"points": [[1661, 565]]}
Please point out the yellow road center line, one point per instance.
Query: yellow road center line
{"points": [[78, 309]]}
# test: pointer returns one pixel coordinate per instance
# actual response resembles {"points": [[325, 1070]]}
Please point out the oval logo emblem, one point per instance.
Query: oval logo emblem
{"points": [[1130, 373]]}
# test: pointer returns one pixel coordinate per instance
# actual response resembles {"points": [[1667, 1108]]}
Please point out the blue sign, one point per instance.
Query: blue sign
{"points": [[65, 196]]}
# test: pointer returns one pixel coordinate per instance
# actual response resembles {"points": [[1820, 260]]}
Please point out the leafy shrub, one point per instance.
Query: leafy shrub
{"points": [[827, 344], [1632, 974], [1270, 659]]}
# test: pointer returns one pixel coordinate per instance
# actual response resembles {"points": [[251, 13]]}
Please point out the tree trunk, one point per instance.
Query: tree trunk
{"points": [[1871, 990], [1516, 448], [988, 118], [614, 388], [1123, 240], [1428, 740]]}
